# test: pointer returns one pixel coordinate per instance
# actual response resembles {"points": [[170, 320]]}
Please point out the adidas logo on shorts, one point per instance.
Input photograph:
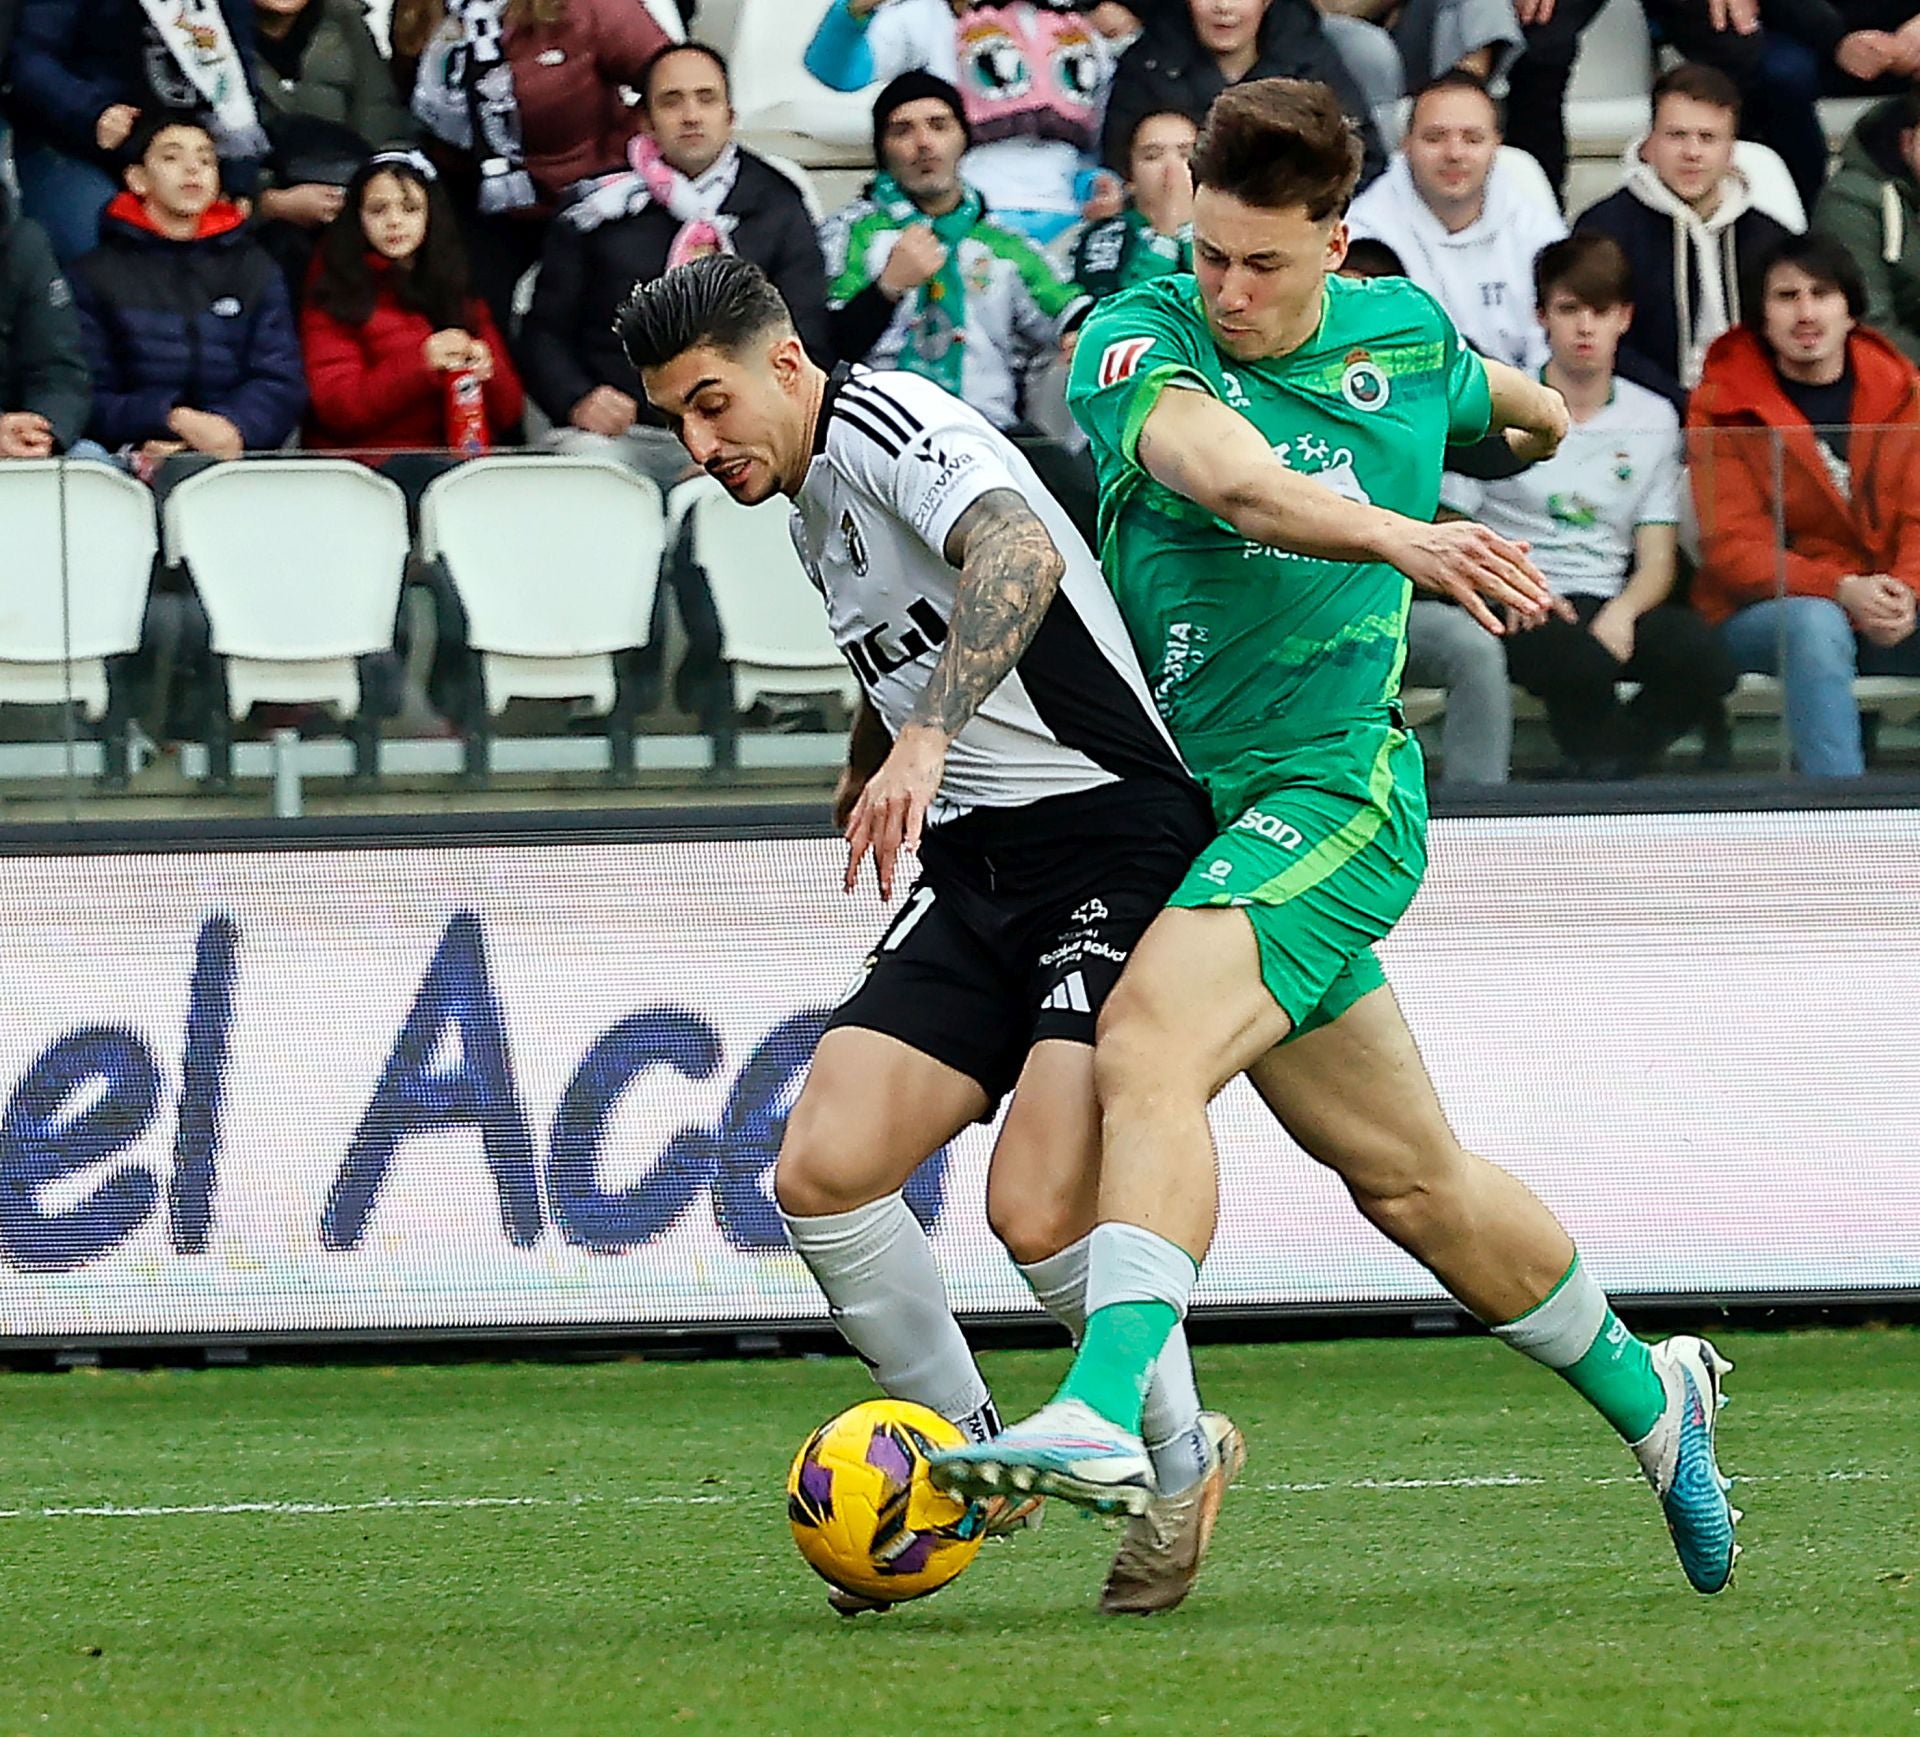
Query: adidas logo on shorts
{"points": [[1069, 995]]}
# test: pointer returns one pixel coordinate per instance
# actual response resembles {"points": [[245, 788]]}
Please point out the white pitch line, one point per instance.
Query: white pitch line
{"points": [[430, 1504], [1517, 1480], [380, 1505]]}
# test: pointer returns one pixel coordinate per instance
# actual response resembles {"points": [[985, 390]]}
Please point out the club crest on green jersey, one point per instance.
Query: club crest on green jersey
{"points": [[1363, 384]]}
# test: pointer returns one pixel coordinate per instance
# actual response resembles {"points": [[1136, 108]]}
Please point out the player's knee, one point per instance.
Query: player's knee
{"points": [[1032, 1220], [1411, 1194], [814, 1175]]}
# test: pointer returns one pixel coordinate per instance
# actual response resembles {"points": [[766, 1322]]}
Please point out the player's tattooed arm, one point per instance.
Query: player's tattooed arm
{"points": [[1009, 571]]}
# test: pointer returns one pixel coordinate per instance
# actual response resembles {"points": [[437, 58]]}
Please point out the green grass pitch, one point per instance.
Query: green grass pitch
{"points": [[1432, 1536]]}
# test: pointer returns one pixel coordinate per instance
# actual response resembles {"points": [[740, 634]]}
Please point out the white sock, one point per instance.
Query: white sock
{"points": [[886, 1297], [1171, 1423], [1561, 1330], [1127, 1263]]}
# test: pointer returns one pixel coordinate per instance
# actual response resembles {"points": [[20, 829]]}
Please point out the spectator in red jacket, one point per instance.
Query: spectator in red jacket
{"points": [[524, 97], [390, 319], [1803, 394], [389, 322]]}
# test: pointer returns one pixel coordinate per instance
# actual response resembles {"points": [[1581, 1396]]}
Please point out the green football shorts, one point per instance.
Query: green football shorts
{"points": [[1321, 877]]}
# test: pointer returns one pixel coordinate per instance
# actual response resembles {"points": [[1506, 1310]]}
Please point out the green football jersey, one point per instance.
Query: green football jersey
{"points": [[1269, 666]]}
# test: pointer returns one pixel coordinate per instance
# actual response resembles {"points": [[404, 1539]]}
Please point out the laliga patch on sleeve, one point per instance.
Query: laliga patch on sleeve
{"points": [[937, 473], [1118, 361]]}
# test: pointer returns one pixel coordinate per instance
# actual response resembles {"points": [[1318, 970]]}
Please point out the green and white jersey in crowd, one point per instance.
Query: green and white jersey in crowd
{"points": [[1126, 250], [1272, 667], [1579, 510], [993, 310]]}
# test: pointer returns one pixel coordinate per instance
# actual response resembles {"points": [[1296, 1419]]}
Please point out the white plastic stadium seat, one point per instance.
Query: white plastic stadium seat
{"points": [[1840, 115], [773, 630], [1895, 698], [556, 561], [781, 106], [1423, 705], [298, 562], [73, 594], [1607, 96]]}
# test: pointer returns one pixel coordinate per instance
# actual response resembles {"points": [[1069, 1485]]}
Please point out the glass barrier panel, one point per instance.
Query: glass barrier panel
{"points": [[424, 632], [418, 633]]}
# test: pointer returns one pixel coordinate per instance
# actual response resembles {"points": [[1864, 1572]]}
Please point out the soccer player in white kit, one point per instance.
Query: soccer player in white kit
{"points": [[1006, 736]]}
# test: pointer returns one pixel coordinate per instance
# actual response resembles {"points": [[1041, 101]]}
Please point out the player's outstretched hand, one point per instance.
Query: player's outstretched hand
{"points": [[891, 810], [846, 792], [1476, 568]]}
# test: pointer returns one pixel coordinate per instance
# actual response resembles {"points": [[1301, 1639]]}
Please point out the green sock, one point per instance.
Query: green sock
{"points": [[1574, 1330], [1617, 1378], [1117, 1354]]}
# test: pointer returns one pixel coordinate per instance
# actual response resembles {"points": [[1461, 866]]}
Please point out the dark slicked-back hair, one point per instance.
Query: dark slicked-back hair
{"points": [[1280, 142], [721, 302]]}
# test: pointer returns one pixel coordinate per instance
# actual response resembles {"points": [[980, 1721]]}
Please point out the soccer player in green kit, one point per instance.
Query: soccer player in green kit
{"points": [[1271, 622]]}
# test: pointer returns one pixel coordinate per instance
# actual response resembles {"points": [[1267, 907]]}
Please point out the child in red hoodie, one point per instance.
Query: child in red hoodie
{"points": [[389, 320]]}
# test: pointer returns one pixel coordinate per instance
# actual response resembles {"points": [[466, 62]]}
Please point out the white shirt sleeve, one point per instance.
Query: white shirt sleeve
{"points": [[1660, 501], [935, 478]]}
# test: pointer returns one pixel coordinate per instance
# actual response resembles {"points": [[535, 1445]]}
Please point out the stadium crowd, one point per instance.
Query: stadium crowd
{"points": [[231, 227]]}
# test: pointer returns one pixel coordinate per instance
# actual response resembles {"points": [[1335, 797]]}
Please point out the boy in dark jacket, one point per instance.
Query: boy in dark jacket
{"points": [[1685, 218], [186, 322], [80, 76], [43, 370]]}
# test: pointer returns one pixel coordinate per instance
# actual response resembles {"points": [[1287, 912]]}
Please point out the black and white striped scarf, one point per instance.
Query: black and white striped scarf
{"points": [[464, 94]]}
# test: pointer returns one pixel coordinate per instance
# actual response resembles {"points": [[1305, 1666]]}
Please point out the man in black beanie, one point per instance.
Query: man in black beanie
{"points": [[920, 277]]}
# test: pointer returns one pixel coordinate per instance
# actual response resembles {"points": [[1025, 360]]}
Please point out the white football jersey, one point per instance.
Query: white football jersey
{"points": [[896, 461]]}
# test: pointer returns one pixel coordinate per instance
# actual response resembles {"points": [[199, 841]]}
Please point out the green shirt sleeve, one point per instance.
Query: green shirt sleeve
{"points": [[1469, 398], [1131, 349]]}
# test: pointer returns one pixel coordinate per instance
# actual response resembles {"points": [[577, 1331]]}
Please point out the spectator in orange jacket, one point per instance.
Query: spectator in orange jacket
{"points": [[1840, 406]]}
